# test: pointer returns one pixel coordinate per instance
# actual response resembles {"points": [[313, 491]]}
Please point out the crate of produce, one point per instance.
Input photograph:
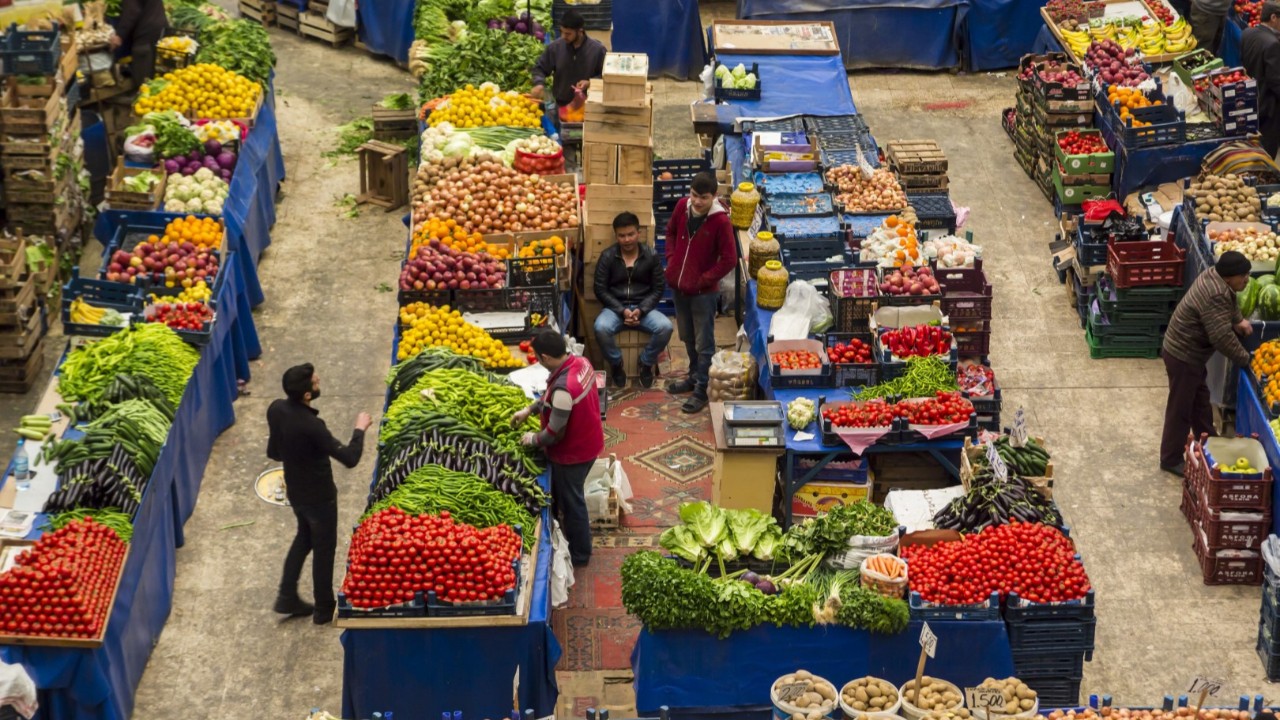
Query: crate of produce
{"points": [[853, 293], [1197, 62], [30, 52], [415, 608], [723, 92], [1221, 566], [896, 282], [671, 179], [814, 377], [922, 609], [1050, 90], [200, 337], [820, 124], [892, 367], [887, 434], [973, 344], [1239, 86], [781, 205], [1019, 609], [537, 271], [1165, 126], [506, 605], [1210, 468], [1077, 194], [966, 294], [852, 373], [1140, 264], [124, 299], [120, 196]]}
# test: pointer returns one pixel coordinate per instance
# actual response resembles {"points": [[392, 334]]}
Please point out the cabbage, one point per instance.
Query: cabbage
{"points": [[721, 71], [204, 173], [749, 82], [458, 145], [740, 71]]}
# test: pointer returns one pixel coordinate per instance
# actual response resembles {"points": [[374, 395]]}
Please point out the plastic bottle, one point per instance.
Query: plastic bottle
{"points": [[771, 285], [742, 205], [22, 466]]}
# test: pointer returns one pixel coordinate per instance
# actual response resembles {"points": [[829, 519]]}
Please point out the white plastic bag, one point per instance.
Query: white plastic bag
{"points": [[804, 312], [140, 148], [607, 474], [561, 567], [862, 547], [342, 13]]}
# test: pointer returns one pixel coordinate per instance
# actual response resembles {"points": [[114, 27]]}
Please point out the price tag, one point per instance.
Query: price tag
{"points": [[791, 691], [998, 468], [1018, 438], [928, 640], [515, 691], [984, 697], [1209, 685]]}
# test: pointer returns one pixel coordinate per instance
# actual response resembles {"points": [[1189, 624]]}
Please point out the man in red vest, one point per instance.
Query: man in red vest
{"points": [[572, 435]]}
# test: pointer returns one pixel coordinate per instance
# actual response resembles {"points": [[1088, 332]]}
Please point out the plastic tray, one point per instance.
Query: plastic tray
{"points": [[790, 183], [933, 210], [791, 124], [819, 124], [666, 193], [923, 610], [836, 158], [809, 226], [30, 52]]}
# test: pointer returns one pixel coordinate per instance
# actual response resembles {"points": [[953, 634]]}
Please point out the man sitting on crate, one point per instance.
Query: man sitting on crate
{"points": [[629, 284], [1206, 319]]}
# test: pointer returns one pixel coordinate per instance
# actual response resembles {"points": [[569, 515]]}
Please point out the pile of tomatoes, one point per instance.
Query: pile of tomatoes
{"points": [[856, 351], [395, 555], [945, 408], [1249, 11], [872, 414], [62, 585], [1223, 78], [1077, 143], [181, 316], [1036, 561], [796, 360]]}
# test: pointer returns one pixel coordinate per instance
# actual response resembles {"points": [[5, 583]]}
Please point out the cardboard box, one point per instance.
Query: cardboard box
{"points": [[743, 480], [817, 498]]}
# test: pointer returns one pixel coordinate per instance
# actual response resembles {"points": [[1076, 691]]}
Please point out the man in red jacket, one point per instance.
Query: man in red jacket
{"points": [[700, 251], [572, 435]]}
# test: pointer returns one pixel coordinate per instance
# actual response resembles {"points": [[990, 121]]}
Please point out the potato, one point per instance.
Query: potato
{"points": [[861, 694], [826, 691], [803, 675]]}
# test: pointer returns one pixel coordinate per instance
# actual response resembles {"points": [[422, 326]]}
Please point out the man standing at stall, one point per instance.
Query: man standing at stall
{"points": [[1260, 55], [1207, 319], [142, 24], [570, 61], [628, 282], [572, 435], [700, 251], [1207, 17], [299, 439]]}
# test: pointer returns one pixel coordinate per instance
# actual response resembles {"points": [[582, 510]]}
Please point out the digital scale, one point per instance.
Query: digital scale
{"points": [[754, 423]]}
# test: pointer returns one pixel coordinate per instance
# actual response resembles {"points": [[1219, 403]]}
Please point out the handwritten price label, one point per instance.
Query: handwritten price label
{"points": [[983, 697], [928, 640], [998, 468], [789, 692], [1208, 685], [1018, 438]]}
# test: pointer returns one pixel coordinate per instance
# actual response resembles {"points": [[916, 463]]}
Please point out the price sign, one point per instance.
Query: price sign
{"points": [[1018, 438], [1208, 685], [791, 691], [928, 640], [984, 697], [515, 691], [998, 468]]}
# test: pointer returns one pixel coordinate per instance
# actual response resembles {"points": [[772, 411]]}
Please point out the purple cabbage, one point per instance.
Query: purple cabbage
{"points": [[226, 160], [194, 156], [212, 147], [172, 166], [495, 24], [191, 169]]}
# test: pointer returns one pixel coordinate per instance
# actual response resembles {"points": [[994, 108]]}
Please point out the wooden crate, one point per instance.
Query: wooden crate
{"points": [[319, 28], [117, 198], [53, 220], [384, 175], [928, 183], [19, 376], [18, 342], [635, 165], [287, 16], [604, 202], [916, 157], [597, 237], [614, 517], [13, 262], [630, 126], [41, 155], [27, 114], [600, 163], [626, 68], [391, 124], [620, 95], [262, 11]]}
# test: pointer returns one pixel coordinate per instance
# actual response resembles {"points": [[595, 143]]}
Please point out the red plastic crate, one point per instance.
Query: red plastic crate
{"points": [[1236, 534], [1226, 570], [1226, 491], [1140, 264]]}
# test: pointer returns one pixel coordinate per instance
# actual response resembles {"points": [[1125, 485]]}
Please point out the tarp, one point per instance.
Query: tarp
{"points": [[792, 84], [668, 31], [670, 665], [1229, 46], [869, 31], [386, 27], [999, 32]]}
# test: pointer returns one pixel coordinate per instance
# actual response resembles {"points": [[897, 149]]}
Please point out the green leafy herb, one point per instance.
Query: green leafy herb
{"points": [[241, 46], [484, 55], [397, 101], [351, 136]]}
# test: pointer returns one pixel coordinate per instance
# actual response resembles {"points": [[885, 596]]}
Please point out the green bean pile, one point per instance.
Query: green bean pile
{"points": [[924, 377], [152, 350], [113, 518], [468, 498]]}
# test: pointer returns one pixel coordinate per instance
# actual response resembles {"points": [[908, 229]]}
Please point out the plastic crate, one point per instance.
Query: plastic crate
{"points": [[1020, 610], [814, 249], [966, 294], [853, 293], [1090, 252], [1048, 664], [1057, 635], [1136, 303], [1098, 350], [819, 124], [923, 610], [414, 608], [1055, 692], [791, 124], [1168, 127], [725, 93], [124, 299], [533, 271], [1102, 328], [836, 158], [907, 435], [200, 337], [813, 270], [666, 193], [1226, 570], [595, 16], [933, 211], [783, 205], [987, 404], [845, 141], [890, 368], [853, 374], [1140, 264], [890, 300], [1088, 164], [1270, 660], [972, 344], [30, 52], [856, 470]]}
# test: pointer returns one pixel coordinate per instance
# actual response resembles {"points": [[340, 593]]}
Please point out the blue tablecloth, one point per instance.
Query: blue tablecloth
{"points": [[671, 666], [791, 84], [999, 32], [668, 31], [386, 27], [418, 674], [870, 31]]}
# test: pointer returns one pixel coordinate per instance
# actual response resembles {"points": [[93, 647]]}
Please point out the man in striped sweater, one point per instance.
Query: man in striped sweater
{"points": [[1206, 319]]}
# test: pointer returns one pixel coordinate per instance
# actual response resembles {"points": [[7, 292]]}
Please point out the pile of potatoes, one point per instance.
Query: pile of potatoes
{"points": [[869, 695], [955, 714], [1018, 698], [815, 699], [934, 694], [1225, 198]]}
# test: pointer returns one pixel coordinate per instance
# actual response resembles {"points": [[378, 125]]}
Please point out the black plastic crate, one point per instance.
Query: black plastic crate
{"points": [[30, 52], [836, 158], [818, 124], [933, 210], [1018, 610], [922, 610], [1089, 252], [535, 271], [854, 374], [850, 312], [666, 193], [200, 337], [824, 379], [415, 608], [791, 124], [1048, 664], [1056, 691], [1168, 127], [1056, 635], [831, 438], [988, 404], [123, 298], [1270, 660], [813, 249], [837, 141], [908, 435], [890, 369], [598, 16]]}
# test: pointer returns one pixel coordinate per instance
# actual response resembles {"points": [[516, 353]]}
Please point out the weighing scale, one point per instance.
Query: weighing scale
{"points": [[754, 423]]}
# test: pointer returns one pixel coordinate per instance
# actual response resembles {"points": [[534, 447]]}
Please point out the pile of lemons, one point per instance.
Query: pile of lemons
{"points": [[201, 91], [423, 325], [487, 106]]}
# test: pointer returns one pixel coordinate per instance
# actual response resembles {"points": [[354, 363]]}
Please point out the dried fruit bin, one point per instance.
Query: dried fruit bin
{"points": [[853, 374], [922, 609], [1140, 264], [853, 293], [124, 299], [1087, 164], [966, 294]]}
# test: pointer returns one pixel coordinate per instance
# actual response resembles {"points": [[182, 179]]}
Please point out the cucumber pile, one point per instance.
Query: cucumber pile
{"points": [[1030, 460]]}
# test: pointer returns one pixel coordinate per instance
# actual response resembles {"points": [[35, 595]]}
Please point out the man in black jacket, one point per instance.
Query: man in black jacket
{"points": [[142, 24], [299, 439], [1260, 55], [571, 61], [629, 284]]}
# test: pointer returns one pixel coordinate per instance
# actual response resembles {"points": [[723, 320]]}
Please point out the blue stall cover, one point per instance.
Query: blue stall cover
{"points": [[999, 32], [793, 84], [669, 665], [1045, 42], [416, 673], [869, 31], [386, 27], [669, 31]]}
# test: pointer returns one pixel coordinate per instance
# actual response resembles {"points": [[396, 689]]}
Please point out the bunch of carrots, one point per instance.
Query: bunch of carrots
{"points": [[889, 566]]}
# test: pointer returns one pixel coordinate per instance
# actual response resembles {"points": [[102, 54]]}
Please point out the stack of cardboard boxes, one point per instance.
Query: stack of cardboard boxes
{"points": [[617, 166]]}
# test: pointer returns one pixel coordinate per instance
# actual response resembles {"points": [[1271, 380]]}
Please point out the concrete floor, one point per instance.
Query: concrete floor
{"points": [[327, 279]]}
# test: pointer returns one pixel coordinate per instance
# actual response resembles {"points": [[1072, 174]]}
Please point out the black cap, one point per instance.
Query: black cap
{"points": [[1232, 264]]}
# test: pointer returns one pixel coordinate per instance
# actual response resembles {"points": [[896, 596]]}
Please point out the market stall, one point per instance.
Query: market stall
{"points": [[998, 33]]}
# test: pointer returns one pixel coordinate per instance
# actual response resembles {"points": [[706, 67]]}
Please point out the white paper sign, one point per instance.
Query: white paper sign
{"points": [[928, 640], [998, 468], [1018, 438], [983, 697]]}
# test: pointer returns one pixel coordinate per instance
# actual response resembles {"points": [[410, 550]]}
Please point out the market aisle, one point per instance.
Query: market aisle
{"points": [[223, 650]]}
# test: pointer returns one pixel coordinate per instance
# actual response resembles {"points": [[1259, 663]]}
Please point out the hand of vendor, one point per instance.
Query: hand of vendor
{"points": [[1244, 328], [582, 85], [536, 92], [518, 419], [115, 41], [363, 421], [631, 317], [529, 439]]}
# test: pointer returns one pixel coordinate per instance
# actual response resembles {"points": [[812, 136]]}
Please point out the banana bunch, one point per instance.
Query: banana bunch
{"points": [[1078, 41], [1151, 38], [1102, 30], [1128, 37], [1178, 37], [82, 313]]}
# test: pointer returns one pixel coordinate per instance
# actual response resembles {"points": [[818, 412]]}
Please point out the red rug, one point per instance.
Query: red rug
{"points": [[594, 631]]}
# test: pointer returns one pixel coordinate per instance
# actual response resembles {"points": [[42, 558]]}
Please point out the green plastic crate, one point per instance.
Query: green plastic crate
{"points": [[1099, 349], [1092, 164], [1076, 194]]}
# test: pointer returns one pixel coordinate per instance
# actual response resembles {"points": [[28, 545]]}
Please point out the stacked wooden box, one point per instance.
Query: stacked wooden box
{"points": [[315, 24], [23, 320]]}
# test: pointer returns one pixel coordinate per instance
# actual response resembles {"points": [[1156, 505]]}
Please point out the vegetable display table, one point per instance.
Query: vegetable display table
{"points": [[700, 676], [1252, 419]]}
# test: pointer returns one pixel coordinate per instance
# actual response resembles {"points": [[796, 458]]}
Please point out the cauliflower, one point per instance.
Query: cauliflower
{"points": [[213, 207], [175, 206], [204, 173]]}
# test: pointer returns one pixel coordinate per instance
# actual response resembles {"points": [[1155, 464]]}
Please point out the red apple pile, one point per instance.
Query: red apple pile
{"points": [[172, 264], [1114, 64], [439, 267]]}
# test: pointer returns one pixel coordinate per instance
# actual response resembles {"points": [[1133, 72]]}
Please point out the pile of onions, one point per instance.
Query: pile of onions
{"points": [[859, 194], [430, 173], [490, 197]]}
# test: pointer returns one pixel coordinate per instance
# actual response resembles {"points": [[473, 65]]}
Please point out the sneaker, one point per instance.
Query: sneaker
{"points": [[618, 375], [694, 404], [679, 387], [293, 607], [646, 376], [1180, 469], [321, 617]]}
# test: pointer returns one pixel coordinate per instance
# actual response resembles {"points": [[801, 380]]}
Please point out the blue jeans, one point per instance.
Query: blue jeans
{"points": [[609, 324], [696, 316]]}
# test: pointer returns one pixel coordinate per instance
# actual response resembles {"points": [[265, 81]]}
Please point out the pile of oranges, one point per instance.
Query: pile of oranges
{"points": [[202, 91], [486, 106], [205, 233], [451, 234], [423, 325], [546, 247], [908, 252], [1130, 99]]}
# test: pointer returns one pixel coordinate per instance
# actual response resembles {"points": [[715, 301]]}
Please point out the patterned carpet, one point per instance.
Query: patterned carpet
{"points": [[668, 457]]}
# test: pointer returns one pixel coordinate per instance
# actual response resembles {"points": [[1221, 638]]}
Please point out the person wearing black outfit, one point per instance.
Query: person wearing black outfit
{"points": [[571, 61], [1260, 56], [629, 283], [299, 439], [142, 24]]}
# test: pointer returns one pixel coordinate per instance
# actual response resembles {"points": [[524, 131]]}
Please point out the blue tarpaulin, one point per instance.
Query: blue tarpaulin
{"points": [[999, 32], [791, 84], [1229, 46], [668, 31], [870, 32], [386, 27], [670, 665]]}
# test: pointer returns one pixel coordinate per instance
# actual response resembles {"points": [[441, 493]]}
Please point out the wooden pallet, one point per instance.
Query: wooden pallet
{"points": [[319, 28], [916, 157], [262, 11]]}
